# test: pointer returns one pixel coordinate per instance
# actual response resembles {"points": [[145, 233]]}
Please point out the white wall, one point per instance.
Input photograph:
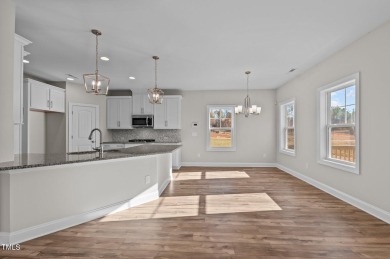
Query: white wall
{"points": [[371, 57], [7, 30], [255, 135], [76, 94]]}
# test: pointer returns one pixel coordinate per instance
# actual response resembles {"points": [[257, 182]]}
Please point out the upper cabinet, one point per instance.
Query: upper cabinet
{"points": [[141, 104], [168, 114], [119, 111], [45, 97]]}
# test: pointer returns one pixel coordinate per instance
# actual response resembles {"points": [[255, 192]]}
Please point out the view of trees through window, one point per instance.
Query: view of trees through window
{"points": [[341, 133], [220, 125], [289, 131]]}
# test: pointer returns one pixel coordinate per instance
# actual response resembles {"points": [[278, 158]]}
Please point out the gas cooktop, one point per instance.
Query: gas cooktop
{"points": [[142, 140]]}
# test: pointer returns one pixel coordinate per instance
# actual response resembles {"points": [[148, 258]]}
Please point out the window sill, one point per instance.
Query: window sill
{"points": [[221, 149], [286, 152], [340, 166]]}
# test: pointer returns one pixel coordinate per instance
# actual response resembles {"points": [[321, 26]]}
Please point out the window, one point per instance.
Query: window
{"points": [[339, 124], [220, 133], [287, 127]]}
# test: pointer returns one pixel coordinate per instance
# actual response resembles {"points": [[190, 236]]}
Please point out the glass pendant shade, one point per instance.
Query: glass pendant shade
{"points": [[96, 83], [155, 94], [247, 109]]}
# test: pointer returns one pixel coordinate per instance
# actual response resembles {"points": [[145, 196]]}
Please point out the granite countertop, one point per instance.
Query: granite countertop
{"points": [[41, 160], [142, 142]]}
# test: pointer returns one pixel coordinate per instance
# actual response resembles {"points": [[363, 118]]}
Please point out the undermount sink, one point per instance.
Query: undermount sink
{"points": [[82, 152]]}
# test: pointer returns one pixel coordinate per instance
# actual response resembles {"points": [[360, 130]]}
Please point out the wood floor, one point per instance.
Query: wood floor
{"points": [[224, 213]]}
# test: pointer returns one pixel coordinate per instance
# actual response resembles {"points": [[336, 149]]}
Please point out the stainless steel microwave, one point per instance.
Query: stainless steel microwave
{"points": [[142, 121]]}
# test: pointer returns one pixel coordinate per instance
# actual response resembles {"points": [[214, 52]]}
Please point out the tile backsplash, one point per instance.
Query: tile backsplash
{"points": [[160, 135]]}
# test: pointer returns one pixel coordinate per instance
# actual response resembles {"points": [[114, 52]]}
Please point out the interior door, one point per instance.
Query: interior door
{"points": [[83, 121]]}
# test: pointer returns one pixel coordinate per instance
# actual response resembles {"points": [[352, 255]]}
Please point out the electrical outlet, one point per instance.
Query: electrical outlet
{"points": [[198, 154], [147, 179], [265, 155], [307, 165]]}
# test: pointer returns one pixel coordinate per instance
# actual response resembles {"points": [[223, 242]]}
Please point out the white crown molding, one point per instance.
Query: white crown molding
{"points": [[369, 208]]}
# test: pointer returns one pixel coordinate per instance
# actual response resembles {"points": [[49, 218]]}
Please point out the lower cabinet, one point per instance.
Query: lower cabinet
{"points": [[176, 159], [111, 146]]}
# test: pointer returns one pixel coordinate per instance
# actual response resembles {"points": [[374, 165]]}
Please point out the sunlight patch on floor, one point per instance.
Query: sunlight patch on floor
{"points": [[187, 176], [226, 174], [243, 202], [164, 207], [209, 175]]}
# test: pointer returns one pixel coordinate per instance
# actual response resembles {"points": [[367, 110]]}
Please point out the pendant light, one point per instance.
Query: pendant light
{"points": [[155, 94], [96, 83], [247, 108]]}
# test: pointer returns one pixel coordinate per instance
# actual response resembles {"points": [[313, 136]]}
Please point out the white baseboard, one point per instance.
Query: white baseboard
{"points": [[369, 208], [227, 164], [163, 186], [53, 226]]}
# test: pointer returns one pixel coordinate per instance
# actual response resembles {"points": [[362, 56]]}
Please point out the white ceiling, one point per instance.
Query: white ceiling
{"points": [[202, 44]]}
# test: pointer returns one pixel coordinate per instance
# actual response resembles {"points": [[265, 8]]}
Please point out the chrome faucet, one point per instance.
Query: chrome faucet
{"points": [[100, 148]]}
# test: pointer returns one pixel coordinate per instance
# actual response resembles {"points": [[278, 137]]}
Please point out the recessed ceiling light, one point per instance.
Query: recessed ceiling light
{"points": [[131, 77], [26, 61], [70, 78], [104, 58]]}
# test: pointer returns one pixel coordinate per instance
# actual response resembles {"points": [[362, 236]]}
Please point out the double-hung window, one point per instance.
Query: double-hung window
{"points": [[339, 124], [221, 129], [287, 127]]}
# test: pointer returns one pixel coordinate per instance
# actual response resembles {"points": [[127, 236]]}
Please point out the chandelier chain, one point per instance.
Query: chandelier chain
{"points": [[97, 54], [155, 73]]}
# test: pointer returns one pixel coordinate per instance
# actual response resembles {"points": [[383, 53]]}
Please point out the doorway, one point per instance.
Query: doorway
{"points": [[82, 119]]}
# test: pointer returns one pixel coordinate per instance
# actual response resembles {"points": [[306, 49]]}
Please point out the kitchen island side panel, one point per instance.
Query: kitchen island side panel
{"points": [[51, 193]]}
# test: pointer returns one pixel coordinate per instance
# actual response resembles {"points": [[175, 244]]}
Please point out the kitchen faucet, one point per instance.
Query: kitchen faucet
{"points": [[100, 148]]}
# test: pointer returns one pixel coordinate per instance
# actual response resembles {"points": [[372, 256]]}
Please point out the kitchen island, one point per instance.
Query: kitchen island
{"points": [[41, 194]]}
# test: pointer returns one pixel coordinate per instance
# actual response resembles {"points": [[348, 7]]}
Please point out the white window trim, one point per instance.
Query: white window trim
{"points": [[233, 147], [322, 138], [282, 123]]}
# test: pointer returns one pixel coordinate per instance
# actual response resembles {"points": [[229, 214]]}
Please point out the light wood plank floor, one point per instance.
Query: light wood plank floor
{"points": [[224, 213]]}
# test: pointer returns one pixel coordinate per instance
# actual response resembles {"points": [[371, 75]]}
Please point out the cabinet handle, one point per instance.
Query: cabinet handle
{"points": [[51, 104], [166, 123], [119, 123], [142, 110], [48, 104]]}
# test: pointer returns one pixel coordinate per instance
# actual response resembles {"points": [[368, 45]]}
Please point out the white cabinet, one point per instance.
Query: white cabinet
{"points": [[141, 104], [168, 114], [111, 146], [45, 97], [176, 159], [119, 111], [57, 100], [18, 115]]}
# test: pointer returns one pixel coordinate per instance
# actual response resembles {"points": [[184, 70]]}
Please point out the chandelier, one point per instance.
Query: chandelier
{"points": [[96, 83], [247, 108], [155, 94]]}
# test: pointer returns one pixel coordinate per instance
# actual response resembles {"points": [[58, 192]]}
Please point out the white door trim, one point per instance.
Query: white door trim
{"points": [[70, 119]]}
